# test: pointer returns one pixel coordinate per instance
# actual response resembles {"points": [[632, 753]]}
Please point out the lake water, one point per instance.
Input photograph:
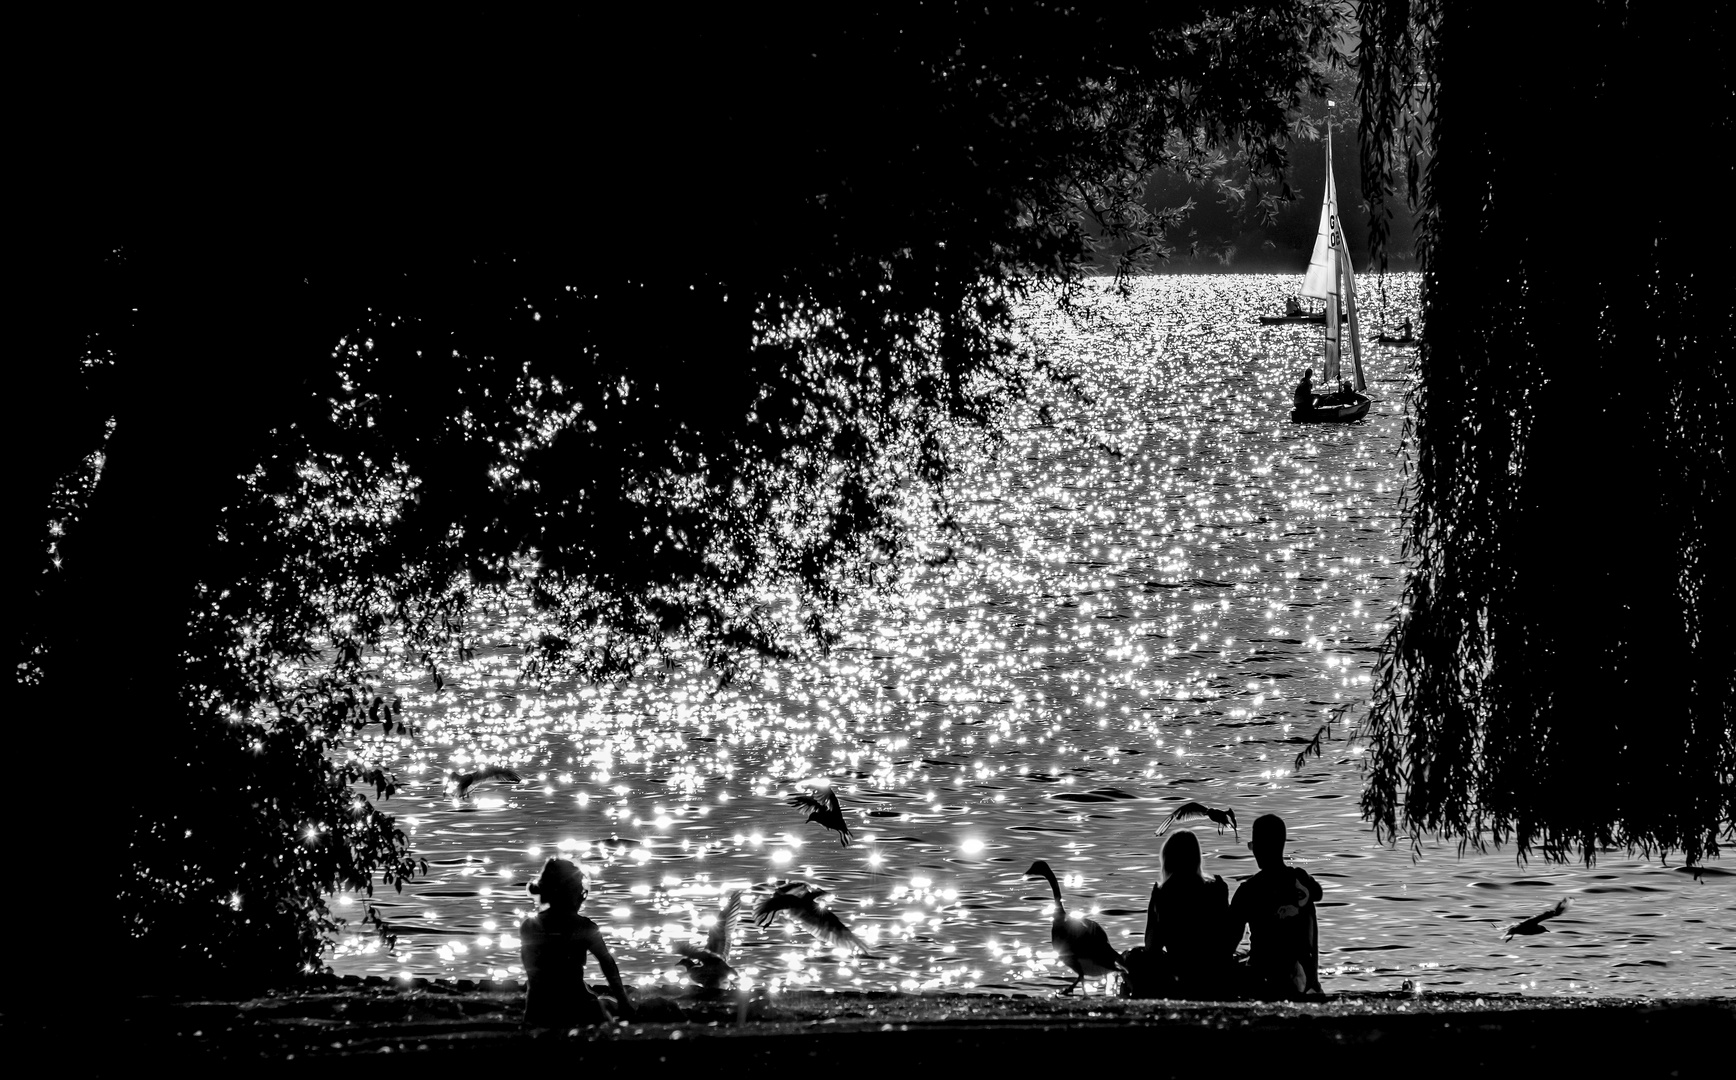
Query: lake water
{"points": [[1168, 587]]}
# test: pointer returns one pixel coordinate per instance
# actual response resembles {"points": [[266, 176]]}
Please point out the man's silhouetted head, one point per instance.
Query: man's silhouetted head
{"points": [[1268, 841]]}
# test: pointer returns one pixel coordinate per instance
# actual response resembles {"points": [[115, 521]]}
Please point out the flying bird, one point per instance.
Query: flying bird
{"points": [[1193, 811], [461, 783], [1534, 925], [1081, 943], [708, 965], [825, 809], [800, 901], [789, 894]]}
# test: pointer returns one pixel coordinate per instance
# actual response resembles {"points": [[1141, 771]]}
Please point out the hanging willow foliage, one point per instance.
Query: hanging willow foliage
{"points": [[1560, 675]]}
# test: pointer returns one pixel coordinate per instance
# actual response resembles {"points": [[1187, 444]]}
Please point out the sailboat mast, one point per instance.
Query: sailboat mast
{"points": [[1329, 368], [1357, 381], [1346, 273]]}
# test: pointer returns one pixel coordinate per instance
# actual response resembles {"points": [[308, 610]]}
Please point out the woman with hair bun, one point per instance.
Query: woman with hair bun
{"points": [[553, 944]]}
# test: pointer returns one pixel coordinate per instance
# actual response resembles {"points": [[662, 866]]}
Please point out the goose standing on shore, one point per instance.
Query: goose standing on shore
{"points": [[1082, 943]]}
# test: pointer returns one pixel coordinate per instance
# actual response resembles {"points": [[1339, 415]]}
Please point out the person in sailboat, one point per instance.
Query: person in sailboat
{"points": [[1293, 307], [1304, 396], [1404, 331]]}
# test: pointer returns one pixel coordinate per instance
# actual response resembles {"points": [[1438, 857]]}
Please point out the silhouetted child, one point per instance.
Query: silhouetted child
{"points": [[1187, 924], [553, 944], [1304, 396], [1277, 907]]}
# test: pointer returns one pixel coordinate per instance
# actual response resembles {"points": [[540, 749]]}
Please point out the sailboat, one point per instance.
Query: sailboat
{"points": [[1331, 279]]}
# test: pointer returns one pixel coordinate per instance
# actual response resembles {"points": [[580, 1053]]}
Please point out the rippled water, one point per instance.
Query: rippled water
{"points": [[1170, 587]]}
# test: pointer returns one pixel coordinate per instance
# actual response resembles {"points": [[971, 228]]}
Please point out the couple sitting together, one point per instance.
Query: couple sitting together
{"points": [[1192, 926]]}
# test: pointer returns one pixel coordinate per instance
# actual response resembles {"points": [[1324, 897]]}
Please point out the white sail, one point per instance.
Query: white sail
{"points": [[1322, 278]]}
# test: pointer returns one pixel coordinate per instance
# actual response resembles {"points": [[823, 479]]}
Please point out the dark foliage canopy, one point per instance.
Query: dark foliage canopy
{"points": [[1560, 678], [661, 326]]}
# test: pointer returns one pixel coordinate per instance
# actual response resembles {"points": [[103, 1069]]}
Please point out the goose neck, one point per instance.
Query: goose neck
{"points": [[1055, 887]]}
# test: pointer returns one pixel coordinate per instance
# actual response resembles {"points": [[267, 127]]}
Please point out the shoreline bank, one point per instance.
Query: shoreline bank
{"points": [[446, 1024]]}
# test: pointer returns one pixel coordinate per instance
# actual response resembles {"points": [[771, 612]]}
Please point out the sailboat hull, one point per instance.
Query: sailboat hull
{"points": [[1333, 414], [1318, 318]]}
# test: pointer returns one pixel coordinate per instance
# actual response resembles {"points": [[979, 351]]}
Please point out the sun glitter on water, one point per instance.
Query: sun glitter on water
{"points": [[1169, 588]]}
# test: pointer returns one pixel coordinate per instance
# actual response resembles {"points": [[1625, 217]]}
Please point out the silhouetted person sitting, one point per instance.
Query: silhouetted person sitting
{"points": [[553, 944], [1187, 926], [1304, 396], [1277, 907], [1292, 307], [1404, 330]]}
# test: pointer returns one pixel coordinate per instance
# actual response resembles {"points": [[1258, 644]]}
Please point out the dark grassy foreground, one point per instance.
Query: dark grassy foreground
{"points": [[464, 1025]]}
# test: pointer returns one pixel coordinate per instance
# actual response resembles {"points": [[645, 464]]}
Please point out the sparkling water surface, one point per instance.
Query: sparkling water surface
{"points": [[1167, 590]]}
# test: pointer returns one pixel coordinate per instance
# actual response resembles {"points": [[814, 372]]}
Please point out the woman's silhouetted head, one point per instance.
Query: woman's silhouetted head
{"points": [[562, 885], [1181, 855]]}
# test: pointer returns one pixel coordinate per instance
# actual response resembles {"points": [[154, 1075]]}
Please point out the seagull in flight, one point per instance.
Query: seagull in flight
{"points": [[461, 783], [800, 901], [1534, 925], [708, 965], [825, 809], [1192, 811]]}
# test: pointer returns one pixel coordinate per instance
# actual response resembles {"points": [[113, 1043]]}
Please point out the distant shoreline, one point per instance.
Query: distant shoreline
{"points": [[442, 1023], [1201, 267]]}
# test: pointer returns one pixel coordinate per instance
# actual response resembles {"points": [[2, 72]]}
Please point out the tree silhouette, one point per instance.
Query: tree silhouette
{"points": [[662, 331], [1560, 676]]}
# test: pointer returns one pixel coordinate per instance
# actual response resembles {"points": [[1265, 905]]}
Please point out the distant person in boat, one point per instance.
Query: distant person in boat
{"points": [[1188, 950], [1404, 331], [553, 944], [1276, 906], [1292, 307], [1304, 396]]}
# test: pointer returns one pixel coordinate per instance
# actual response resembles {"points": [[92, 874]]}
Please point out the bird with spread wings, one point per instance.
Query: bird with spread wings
{"points": [[825, 809], [461, 783], [708, 965], [1534, 925], [800, 901], [1194, 811]]}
